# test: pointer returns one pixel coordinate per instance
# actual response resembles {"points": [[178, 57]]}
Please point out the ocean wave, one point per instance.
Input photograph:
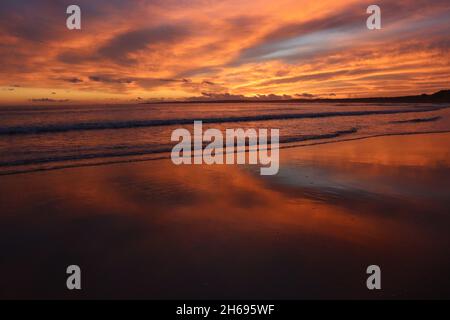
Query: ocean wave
{"points": [[140, 151], [105, 125], [418, 120]]}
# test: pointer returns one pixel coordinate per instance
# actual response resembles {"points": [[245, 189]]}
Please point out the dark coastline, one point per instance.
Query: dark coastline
{"points": [[441, 96]]}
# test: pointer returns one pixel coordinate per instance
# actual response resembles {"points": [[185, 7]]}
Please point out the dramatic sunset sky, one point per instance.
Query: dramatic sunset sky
{"points": [[173, 49]]}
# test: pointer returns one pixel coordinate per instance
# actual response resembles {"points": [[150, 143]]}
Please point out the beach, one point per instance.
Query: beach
{"points": [[150, 229], [225, 157]]}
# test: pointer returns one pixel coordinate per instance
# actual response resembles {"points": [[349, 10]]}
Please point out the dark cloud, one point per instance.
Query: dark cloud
{"points": [[305, 95], [272, 97], [146, 83], [49, 100], [109, 79], [71, 80], [218, 96], [119, 47], [211, 96]]}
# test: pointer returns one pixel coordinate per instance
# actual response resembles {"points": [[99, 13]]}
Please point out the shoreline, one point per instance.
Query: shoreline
{"points": [[288, 145]]}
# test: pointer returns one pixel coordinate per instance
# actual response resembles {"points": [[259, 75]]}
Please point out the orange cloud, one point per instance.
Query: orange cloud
{"points": [[174, 49]]}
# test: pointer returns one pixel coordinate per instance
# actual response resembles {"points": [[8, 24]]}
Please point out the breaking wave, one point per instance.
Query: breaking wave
{"points": [[105, 125]]}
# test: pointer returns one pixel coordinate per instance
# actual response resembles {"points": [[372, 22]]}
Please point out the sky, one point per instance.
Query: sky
{"points": [[131, 51]]}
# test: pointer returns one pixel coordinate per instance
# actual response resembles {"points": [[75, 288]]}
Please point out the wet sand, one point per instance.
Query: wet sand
{"points": [[154, 230]]}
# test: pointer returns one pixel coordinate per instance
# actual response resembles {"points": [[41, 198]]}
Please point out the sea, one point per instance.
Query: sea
{"points": [[35, 138]]}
